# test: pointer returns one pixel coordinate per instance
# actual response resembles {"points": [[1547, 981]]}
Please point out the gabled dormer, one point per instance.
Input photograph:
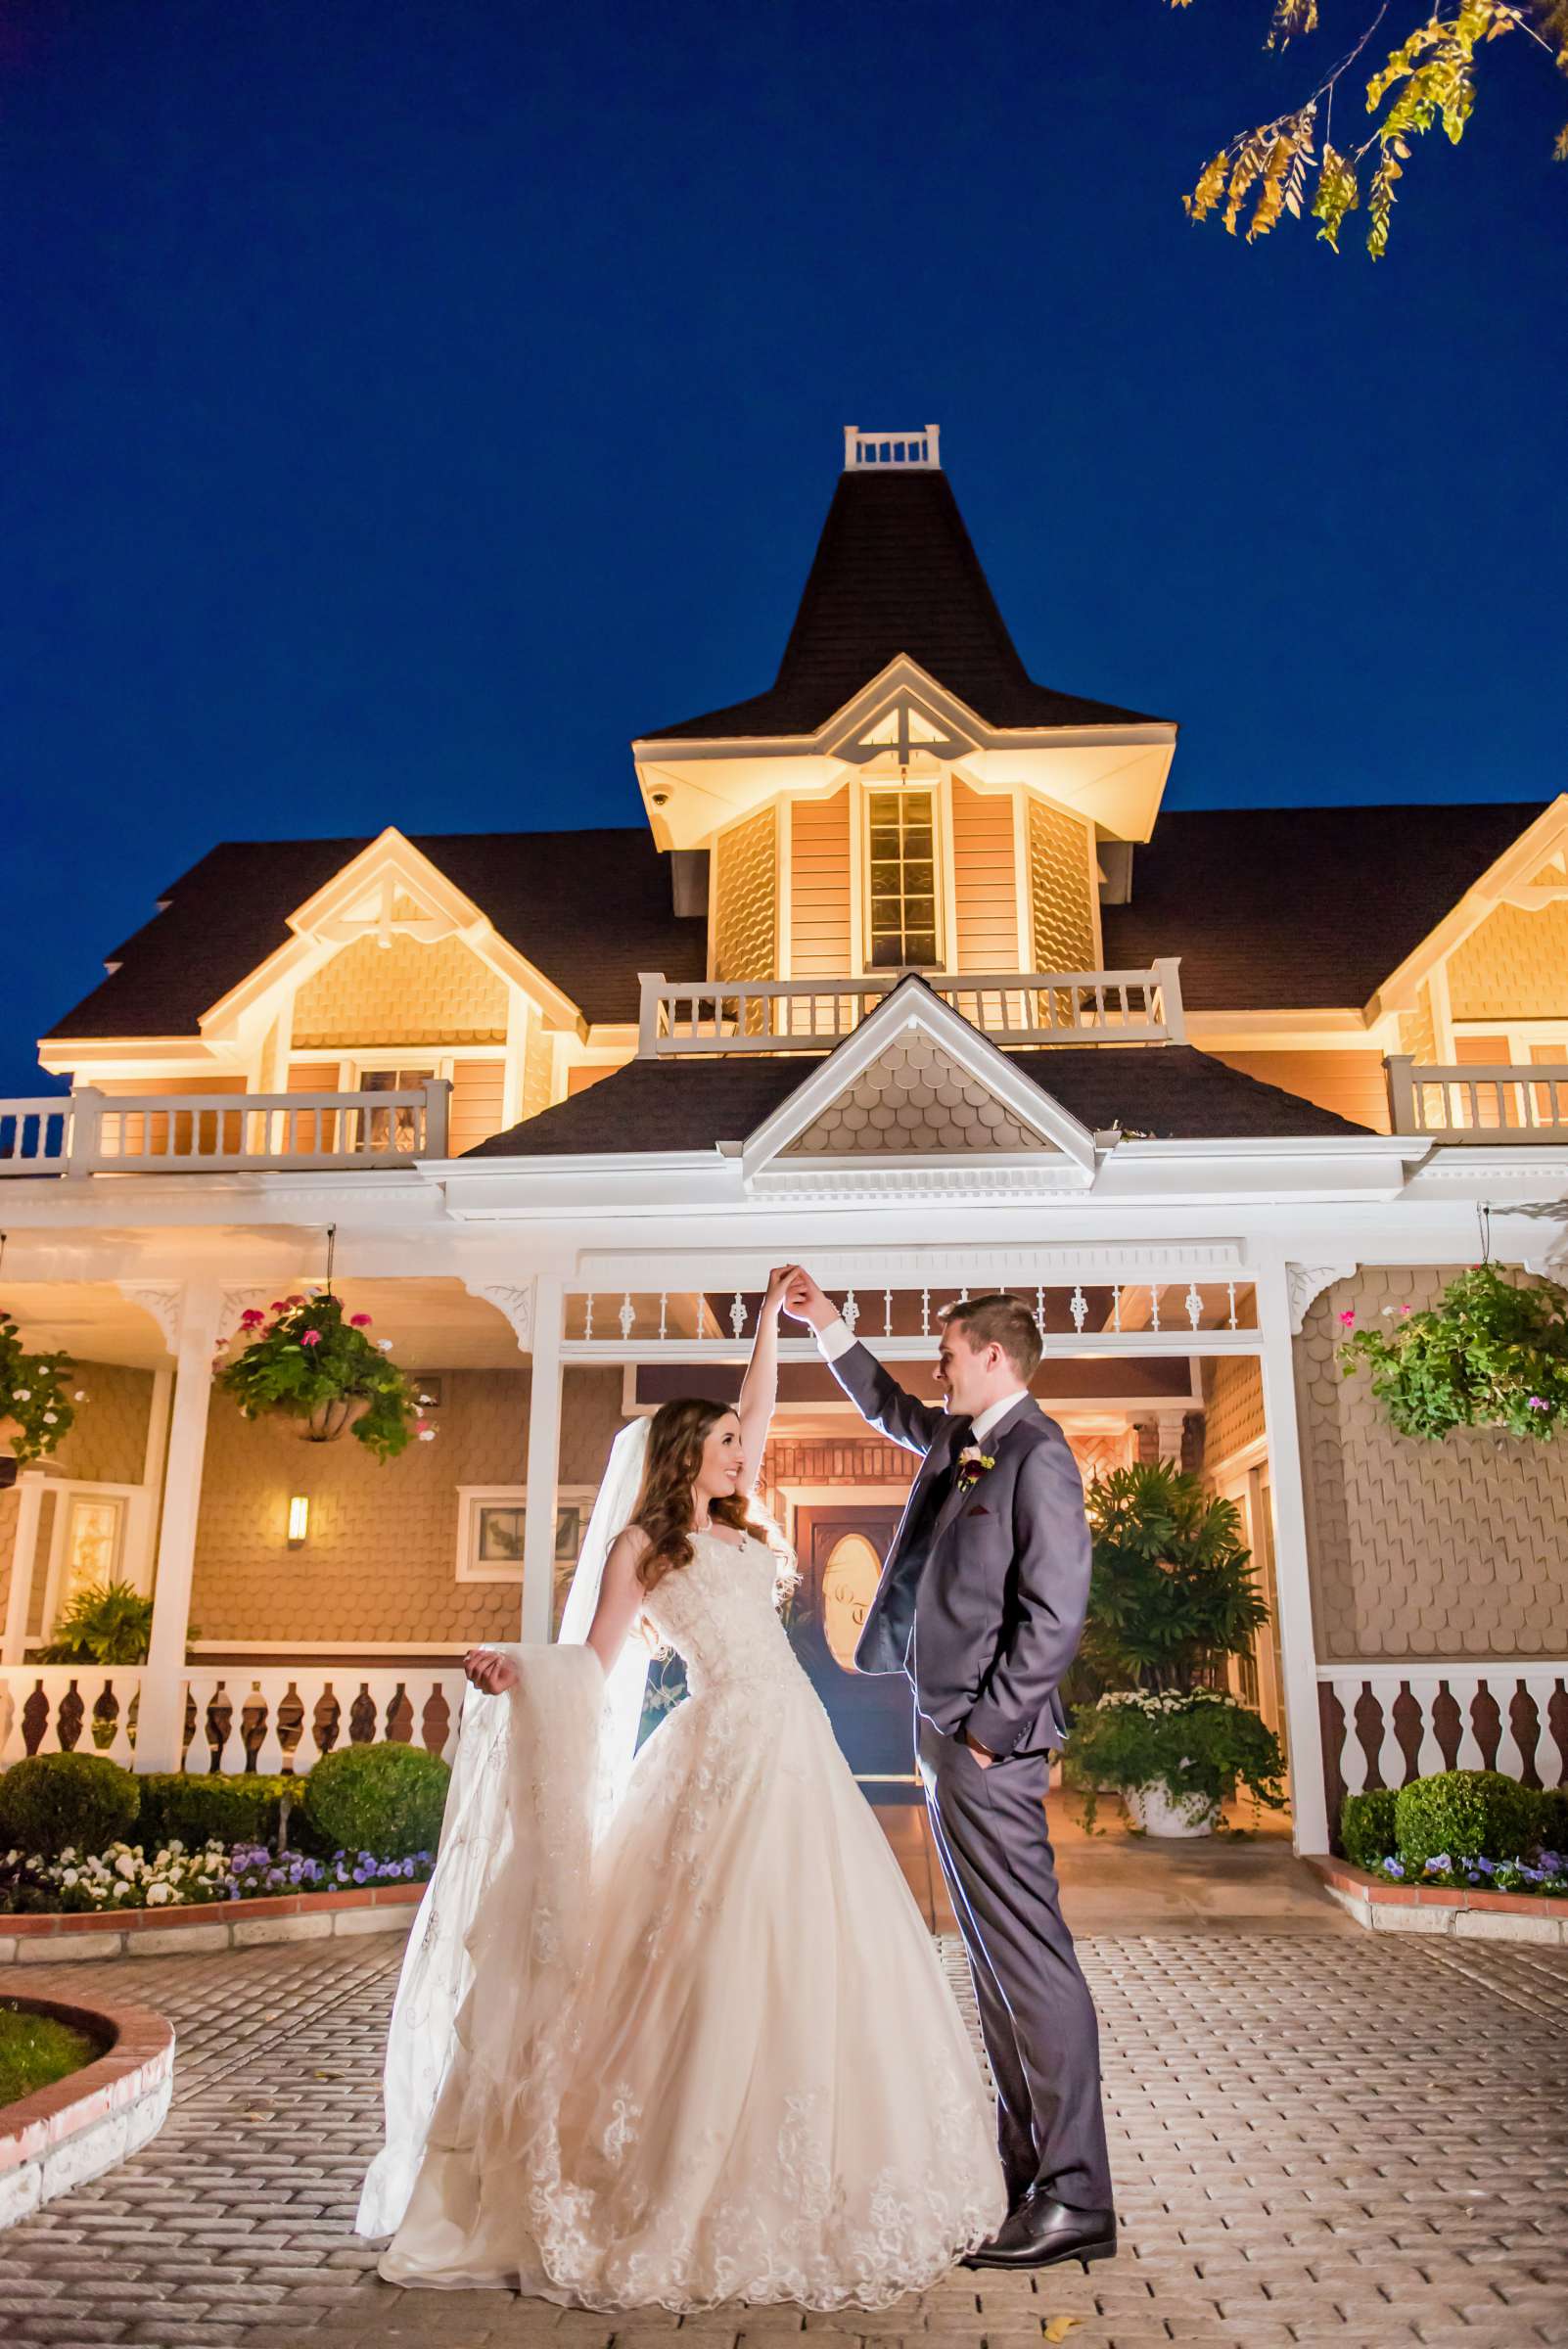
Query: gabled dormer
{"points": [[904, 795]]}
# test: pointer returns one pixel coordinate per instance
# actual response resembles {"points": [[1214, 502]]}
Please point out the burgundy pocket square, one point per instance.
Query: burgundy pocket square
{"points": [[979, 1510]]}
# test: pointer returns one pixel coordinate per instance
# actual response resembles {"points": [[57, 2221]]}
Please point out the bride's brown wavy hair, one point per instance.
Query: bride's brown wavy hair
{"points": [[664, 1508]]}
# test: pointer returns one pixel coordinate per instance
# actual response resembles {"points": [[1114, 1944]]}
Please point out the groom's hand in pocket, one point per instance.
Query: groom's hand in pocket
{"points": [[981, 1752]]}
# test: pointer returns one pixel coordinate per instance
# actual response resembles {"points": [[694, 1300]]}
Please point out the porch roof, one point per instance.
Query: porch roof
{"points": [[1165, 1092]]}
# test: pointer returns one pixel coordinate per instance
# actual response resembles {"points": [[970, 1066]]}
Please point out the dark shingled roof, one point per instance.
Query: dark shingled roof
{"points": [[1297, 908], [1169, 1091], [590, 910], [896, 572]]}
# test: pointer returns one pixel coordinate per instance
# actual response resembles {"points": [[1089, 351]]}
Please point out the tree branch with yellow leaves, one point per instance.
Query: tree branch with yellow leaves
{"points": [[1426, 82]]}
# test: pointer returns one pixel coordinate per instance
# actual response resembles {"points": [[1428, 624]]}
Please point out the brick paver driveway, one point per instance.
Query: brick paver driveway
{"points": [[1318, 2136]]}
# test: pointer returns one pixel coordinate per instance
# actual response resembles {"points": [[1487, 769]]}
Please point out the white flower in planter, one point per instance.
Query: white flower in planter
{"points": [[156, 1894]]}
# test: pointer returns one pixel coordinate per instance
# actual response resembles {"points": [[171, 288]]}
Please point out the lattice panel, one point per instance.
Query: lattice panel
{"points": [[1423, 1550], [1514, 966], [1232, 1404], [1059, 890], [406, 992], [914, 1100]]}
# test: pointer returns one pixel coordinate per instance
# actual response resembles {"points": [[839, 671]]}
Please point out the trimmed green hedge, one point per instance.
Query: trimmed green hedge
{"points": [[1468, 1813], [234, 1809], [387, 1799], [54, 1802], [1366, 1827], [1555, 1819]]}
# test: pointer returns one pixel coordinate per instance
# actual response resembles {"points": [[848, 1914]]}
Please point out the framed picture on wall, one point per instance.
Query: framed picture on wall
{"points": [[490, 1522]]}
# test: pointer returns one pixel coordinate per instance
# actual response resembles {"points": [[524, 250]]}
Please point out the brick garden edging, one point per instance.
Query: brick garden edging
{"points": [[78, 2127], [1385, 1907], [211, 1925]]}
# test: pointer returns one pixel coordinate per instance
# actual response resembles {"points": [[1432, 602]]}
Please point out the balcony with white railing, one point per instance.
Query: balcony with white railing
{"points": [[94, 1132], [1477, 1104], [681, 1019]]}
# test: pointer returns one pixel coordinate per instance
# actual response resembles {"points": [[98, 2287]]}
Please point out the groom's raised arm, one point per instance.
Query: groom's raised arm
{"points": [[874, 1392]]}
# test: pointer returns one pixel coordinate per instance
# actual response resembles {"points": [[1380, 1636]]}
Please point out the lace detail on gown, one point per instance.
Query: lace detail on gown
{"points": [[756, 2085]]}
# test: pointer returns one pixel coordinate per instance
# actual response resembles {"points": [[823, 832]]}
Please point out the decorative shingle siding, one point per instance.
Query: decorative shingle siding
{"points": [[108, 1443], [914, 1099], [1514, 966], [1059, 890], [985, 879], [1422, 1549], [1418, 1028], [537, 1068], [1232, 1407], [406, 992], [380, 1562], [819, 886], [746, 898]]}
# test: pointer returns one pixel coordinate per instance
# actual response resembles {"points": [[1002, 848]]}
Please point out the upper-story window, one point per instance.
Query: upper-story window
{"points": [[903, 917]]}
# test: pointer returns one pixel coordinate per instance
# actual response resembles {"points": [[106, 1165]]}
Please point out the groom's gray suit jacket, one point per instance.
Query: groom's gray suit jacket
{"points": [[983, 1595]]}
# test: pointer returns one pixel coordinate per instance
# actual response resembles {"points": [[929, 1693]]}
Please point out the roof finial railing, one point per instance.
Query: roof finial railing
{"points": [[914, 451]]}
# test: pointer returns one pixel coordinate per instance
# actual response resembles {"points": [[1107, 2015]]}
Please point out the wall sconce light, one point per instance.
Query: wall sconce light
{"points": [[299, 1520]]}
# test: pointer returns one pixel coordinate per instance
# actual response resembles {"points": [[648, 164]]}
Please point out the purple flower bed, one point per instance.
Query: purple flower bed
{"points": [[1548, 1877]]}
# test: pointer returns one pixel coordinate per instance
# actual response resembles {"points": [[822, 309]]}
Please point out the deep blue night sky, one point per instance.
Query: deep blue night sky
{"points": [[407, 401]]}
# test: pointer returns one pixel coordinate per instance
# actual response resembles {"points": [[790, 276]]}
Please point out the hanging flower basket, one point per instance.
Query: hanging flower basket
{"points": [[319, 1370], [1487, 1354], [36, 1403]]}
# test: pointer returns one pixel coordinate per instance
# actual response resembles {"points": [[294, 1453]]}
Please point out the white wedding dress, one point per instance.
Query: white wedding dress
{"points": [[716, 2057]]}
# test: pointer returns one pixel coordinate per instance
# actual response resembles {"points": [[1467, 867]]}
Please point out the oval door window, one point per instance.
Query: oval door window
{"points": [[850, 1582]]}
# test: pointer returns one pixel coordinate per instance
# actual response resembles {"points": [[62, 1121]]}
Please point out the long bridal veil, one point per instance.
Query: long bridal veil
{"points": [[537, 1775]]}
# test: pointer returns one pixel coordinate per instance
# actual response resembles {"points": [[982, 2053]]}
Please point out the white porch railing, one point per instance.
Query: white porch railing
{"points": [[1386, 1723], [1471, 1103], [240, 1717], [92, 1133], [918, 449], [63, 1707], [682, 1018]]}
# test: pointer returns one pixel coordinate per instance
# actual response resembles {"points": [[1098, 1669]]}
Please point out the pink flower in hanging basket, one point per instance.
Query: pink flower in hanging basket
{"points": [[1406, 1308], [1537, 1403], [310, 1337], [294, 1300], [248, 1320], [1348, 1317], [359, 1320]]}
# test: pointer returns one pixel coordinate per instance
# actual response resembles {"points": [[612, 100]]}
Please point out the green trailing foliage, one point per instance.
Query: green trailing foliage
{"points": [[387, 1799], [311, 1357], [54, 1802], [1489, 1354], [36, 1397], [1201, 1747]]}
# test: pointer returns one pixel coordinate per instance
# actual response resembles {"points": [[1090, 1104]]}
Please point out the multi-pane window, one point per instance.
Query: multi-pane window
{"points": [[902, 867]]}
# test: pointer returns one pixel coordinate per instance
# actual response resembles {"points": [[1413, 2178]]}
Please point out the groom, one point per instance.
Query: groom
{"points": [[982, 1603]]}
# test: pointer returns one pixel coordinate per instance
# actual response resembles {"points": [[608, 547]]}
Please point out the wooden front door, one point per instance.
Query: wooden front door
{"points": [[841, 1548]]}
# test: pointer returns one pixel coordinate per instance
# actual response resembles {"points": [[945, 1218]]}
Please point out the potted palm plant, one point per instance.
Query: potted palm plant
{"points": [[1171, 1596]]}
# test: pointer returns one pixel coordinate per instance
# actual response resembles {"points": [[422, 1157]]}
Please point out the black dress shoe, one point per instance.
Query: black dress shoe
{"points": [[1043, 2231]]}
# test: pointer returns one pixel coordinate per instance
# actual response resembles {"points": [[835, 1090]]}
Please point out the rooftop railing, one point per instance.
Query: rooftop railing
{"points": [[1472, 1103], [681, 1019], [93, 1132]]}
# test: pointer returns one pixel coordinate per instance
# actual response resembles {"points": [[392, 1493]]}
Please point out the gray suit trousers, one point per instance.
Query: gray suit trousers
{"points": [[1036, 2013]]}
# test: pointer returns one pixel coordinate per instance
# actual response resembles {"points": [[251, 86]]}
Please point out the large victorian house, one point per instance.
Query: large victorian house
{"points": [[902, 971]]}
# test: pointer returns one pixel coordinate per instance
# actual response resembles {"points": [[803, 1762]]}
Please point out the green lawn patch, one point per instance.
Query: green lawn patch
{"points": [[35, 2049]]}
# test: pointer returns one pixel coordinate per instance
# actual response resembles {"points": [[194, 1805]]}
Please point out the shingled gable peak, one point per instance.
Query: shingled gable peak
{"points": [[896, 575]]}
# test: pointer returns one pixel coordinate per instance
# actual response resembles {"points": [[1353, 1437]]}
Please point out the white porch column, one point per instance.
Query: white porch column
{"points": [[160, 1715], [31, 1487], [544, 1457], [1293, 1586]]}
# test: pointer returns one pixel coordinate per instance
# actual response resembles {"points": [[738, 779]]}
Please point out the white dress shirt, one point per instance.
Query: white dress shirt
{"points": [[836, 1337]]}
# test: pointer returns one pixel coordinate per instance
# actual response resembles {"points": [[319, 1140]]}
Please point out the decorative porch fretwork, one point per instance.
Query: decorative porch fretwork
{"points": [[1305, 1283], [163, 1299], [516, 1303]]}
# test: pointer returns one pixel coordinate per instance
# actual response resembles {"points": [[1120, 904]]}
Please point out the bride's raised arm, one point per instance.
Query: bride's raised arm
{"points": [[760, 1388]]}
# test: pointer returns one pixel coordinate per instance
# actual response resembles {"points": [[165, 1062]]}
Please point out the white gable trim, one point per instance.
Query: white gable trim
{"points": [[390, 866], [1508, 881], [912, 1004]]}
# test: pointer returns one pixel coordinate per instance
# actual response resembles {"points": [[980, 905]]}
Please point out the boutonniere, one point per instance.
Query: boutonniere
{"points": [[972, 1466]]}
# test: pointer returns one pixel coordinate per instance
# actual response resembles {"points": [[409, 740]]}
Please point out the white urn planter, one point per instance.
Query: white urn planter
{"points": [[1152, 1809]]}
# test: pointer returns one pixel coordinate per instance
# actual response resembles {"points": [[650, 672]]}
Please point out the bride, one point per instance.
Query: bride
{"points": [[710, 2054]]}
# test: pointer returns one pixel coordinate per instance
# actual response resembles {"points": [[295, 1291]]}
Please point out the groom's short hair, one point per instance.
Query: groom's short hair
{"points": [[998, 1319]]}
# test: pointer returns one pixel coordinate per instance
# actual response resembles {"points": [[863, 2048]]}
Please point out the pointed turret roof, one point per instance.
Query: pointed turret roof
{"points": [[896, 572]]}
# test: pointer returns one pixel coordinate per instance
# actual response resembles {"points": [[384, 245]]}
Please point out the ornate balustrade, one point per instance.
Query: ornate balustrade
{"points": [[1473, 1103], [92, 1133], [66, 1707], [1386, 1723], [238, 1717], [682, 1018]]}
